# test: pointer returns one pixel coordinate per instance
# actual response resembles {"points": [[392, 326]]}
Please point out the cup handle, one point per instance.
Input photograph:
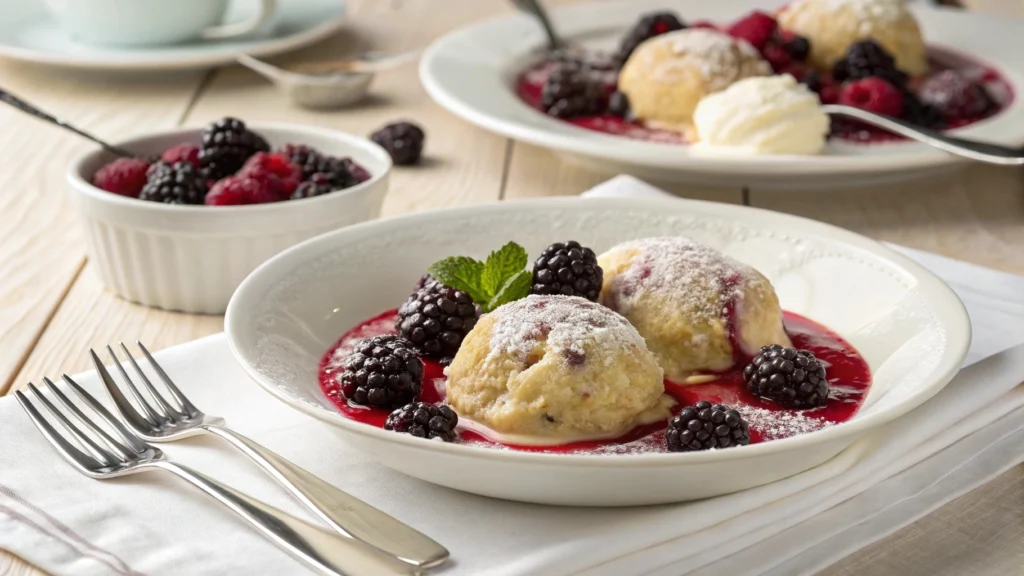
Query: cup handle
{"points": [[265, 12]]}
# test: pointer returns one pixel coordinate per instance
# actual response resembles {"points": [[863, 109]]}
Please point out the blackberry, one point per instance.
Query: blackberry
{"points": [[178, 183], [812, 79], [922, 114], [865, 59], [571, 91], [344, 172], [424, 420], [436, 318], [799, 48], [648, 26], [618, 104], [309, 159], [382, 372], [704, 426], [402, 140], [568, 269], [317, 185], [793, 378], [227, 144]]}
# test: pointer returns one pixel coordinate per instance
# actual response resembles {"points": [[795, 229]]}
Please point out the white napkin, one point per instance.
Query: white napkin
{"points": [[154, 524]]}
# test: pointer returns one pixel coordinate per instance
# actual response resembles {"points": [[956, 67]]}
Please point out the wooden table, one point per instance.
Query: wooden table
{"points": [[53, 307]]}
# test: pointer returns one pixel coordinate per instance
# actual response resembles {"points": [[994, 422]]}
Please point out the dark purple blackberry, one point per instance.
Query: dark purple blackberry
{"points": [[571, 91], [382, 372], [799, 48], [436, 318], [179, 183], [424, 420], [924, 115], [648, 26], [704, 426], [865, 59], [344, 172], [227, 144], [568, 269], [307, 158], [402, 140], [317, 185], [793, 378], [618, 104]]}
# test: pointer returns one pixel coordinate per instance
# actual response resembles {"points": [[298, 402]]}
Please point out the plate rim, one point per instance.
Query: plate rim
{"points": [[933, 289]]}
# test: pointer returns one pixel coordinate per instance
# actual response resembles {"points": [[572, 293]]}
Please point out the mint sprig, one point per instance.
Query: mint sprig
{"points": [[500, 279]]}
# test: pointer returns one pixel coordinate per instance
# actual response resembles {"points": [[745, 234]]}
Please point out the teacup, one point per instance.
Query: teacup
{"points": [[152, 22]]}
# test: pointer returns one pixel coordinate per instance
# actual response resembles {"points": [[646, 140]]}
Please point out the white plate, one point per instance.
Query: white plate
{"points": [[909, 326], [472, 70], [27, 32]]}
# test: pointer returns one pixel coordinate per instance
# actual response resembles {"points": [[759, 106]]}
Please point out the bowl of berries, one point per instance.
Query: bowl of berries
{"points": [[181, 223], [733, 93], [599, 352]]}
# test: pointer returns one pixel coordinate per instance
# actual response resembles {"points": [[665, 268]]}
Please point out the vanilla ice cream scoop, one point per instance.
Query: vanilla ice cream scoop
{"points": [[761, 115]]}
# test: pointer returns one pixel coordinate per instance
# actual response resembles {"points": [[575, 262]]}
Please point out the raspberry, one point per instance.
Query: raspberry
{"points": [[797, 70], [317, 185], [570, 91], [280, 173], [956, 97], [184, 152], [865, 59], [568, 269], [436, 319], [647, 27], [704, 426], [873, 94], [778, 57], [227, 144], [793, 378], [402, 140], [178, 183], [424, 420], [382, 372], [240, 190], [124, 176], [757, 28]]}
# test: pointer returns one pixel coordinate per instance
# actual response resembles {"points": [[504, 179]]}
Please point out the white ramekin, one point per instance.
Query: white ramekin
{"points": [[191, 258]]}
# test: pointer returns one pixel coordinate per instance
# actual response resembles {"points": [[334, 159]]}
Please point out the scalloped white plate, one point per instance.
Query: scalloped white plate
{"points": [[908, 324], [471, 72]]}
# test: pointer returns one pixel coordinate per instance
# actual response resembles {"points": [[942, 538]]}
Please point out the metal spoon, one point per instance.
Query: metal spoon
{"points": [[8, 98], [535, 8], [980, 151]]}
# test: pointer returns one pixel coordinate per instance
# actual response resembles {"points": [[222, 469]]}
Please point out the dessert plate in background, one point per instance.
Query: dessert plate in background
{"points": [[907, 324], [29, 33], [472, 72]]}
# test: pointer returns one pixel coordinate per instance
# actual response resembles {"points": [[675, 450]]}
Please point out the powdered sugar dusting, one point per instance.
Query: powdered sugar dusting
{"points": [[682, 270], [869, 13], [565, 323], [775, 424], [721, 58]]}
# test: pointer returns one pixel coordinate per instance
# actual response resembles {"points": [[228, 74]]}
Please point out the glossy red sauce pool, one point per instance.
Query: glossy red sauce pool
{"points": [[848, 375], [531, 80]]}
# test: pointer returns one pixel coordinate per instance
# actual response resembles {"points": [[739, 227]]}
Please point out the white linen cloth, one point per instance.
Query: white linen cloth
{"points": [[154, 524]]}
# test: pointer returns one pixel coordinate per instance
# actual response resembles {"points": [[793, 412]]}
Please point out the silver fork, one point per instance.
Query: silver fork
{"points": [[164, 422], [96, 453]]}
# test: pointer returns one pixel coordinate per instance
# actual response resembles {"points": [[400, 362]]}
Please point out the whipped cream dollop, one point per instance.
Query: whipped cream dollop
{"points": [[761, 115]]}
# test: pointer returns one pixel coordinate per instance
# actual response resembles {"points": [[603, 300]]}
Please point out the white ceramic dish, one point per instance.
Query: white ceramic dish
{"points": [[29, 33], [471, 73], [191, 258], [911, 328]]}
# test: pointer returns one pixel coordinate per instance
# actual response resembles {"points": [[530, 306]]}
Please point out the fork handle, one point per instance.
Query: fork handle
{"points": [[322, 550], [337, 508]]}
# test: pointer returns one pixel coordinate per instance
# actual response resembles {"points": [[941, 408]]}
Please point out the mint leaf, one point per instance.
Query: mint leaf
{"points": [[501, 265], [462, 273], [516, 287]]}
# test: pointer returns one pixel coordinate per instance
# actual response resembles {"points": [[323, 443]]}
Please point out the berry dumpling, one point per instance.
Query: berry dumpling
{"points": [[698, 309]]}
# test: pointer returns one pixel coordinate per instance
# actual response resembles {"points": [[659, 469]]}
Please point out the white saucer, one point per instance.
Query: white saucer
{"points": [[27, 32], [472, 70]]}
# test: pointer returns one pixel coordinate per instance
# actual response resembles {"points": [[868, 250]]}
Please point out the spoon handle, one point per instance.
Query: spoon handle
{"points": [[980, 151], [11, 99], [535, 8]]}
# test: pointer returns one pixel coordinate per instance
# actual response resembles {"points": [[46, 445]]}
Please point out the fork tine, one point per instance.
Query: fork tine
{"points": [[66, 449], [165, 408], [130, 413], [183, 400], [88, 443], [149, 413], [132, 440], [87, 422]]}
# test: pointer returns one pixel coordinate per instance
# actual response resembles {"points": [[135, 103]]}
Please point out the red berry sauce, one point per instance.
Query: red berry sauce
{"points": [[848, 375], [531, 80]]}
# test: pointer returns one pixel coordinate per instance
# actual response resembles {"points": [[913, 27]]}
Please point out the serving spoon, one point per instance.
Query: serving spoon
{"points": [[537, 9], [8, 98]]}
